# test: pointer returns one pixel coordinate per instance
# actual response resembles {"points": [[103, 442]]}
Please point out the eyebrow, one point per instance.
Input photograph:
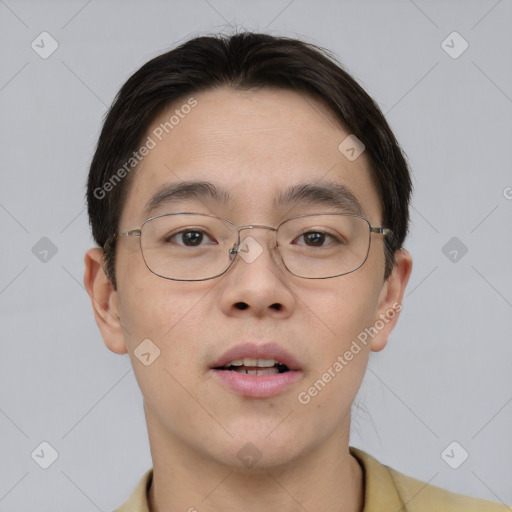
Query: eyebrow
{"points": [[329, 194]]}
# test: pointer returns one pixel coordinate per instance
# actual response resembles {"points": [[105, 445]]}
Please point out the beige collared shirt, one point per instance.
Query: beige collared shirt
{"points": [[386, 490]]}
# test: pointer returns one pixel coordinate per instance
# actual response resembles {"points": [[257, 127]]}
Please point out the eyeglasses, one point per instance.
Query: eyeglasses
{"points": [[186, 246]]}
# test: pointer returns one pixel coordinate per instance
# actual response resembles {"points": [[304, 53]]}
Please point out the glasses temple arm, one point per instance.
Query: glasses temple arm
{"points": [[381, 231]]}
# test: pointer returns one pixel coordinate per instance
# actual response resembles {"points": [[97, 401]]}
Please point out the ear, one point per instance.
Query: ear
{"points": [[104, 301], [390, 299]]}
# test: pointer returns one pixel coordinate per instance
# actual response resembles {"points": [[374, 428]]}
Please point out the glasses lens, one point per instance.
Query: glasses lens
{"points": [[320, 246], [187, 246]]}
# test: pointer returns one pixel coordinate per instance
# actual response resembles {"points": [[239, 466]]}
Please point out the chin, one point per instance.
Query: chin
{"points": [[257, 451]]}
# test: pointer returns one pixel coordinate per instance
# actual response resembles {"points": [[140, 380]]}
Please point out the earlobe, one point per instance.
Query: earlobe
{"points": [[104, 300], [390, 299]]}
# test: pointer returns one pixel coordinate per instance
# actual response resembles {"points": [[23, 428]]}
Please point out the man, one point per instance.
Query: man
{"points": [[250, 204]]}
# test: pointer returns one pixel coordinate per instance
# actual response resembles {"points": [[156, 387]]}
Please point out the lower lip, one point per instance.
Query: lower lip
{"points": [[258, 386]]}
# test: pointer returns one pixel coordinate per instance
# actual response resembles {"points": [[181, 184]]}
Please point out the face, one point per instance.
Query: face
{"points": [[254, 145]]}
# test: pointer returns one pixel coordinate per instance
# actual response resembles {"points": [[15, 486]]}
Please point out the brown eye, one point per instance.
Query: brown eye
{"points": [[188, 238], [316, 238]]}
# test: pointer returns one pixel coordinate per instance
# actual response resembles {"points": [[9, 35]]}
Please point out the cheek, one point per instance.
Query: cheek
{"points": [[150, 306], [163, 325], [162, 310], [341, 314], [346, 307]]}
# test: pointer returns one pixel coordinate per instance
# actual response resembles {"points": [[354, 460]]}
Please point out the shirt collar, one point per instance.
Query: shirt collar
{"points": [[380, 492]]}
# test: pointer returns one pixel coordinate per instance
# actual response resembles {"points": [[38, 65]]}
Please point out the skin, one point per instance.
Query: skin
{"points": [[253, 143]]}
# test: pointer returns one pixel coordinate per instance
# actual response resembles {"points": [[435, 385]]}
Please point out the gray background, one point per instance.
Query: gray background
{"points": [[445, 375]]}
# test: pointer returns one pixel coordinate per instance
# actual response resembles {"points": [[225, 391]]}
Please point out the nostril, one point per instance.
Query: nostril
{"points": [[244, 305]]}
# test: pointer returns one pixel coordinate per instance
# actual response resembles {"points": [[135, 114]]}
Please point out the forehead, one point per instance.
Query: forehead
{"points": [[257, 148]]}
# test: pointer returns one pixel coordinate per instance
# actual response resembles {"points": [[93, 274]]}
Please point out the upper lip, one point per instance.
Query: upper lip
{"points": [[256, 350]]}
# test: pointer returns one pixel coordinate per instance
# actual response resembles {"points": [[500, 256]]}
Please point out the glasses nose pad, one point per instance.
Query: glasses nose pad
{"points": [[234, 250], [248, 248]]}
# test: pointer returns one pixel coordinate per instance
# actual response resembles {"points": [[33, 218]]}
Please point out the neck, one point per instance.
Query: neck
{"points": [[327, 478]]}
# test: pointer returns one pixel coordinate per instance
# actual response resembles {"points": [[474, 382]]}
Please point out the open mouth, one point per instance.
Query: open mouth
{"points": [[250, 366], [257, 375]]}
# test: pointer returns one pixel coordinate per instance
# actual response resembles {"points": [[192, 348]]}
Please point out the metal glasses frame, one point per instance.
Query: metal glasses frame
{"points": [[234, 250]]}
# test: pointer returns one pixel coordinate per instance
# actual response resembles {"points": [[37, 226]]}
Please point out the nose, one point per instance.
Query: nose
{"points": [[257, 283]]}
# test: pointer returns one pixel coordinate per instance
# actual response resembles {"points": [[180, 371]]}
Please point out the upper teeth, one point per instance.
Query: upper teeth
{"points": [[248, 361]]}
